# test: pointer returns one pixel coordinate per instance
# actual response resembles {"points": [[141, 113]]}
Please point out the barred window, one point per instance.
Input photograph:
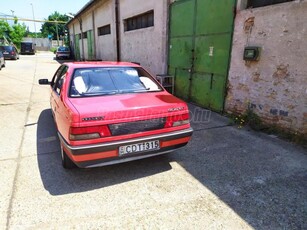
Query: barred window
{"points": [[104, 30], [140, 21], [84, 35], [259, 3]]}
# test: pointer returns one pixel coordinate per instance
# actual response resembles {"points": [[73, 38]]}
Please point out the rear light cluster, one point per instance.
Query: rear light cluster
{"points": [[95, 132], [87, 133], [177, 120]]}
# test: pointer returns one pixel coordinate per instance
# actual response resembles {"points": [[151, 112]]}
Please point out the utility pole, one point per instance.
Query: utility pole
{"points": [[33, 19]]}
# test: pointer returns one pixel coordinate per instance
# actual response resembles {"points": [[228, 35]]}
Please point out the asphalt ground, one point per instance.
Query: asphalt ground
{"points": [[225, 178]]}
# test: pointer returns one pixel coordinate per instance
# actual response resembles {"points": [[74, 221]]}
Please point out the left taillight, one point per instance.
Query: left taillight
{"points": [[177, 120], [87, 133]]}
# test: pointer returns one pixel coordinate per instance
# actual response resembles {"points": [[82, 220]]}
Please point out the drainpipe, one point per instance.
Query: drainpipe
{"points": [[80, 21], [117, 24], [94, 36]]}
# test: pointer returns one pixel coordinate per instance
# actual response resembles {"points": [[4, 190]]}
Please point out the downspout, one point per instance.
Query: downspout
{"points": [[117, 25], [167, 35], [94, 36], [74, 39], [82, 42]]}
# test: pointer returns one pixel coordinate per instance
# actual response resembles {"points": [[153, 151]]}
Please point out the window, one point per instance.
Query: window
{"points": [[140, 21], [259, 3], [84, 35], [104, 30], [58, 78]]}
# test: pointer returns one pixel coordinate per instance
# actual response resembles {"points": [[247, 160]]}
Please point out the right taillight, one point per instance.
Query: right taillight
{"points": [[87, 133], [177, 120]]}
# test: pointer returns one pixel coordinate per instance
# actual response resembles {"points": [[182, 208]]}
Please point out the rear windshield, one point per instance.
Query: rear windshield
{"points": [[110, 81], [63, 49], [6, 48]]}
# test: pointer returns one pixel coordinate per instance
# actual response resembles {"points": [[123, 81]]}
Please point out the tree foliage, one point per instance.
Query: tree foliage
{"points": [[5, 29], [17, 34], [50, 28], [13, 33]]}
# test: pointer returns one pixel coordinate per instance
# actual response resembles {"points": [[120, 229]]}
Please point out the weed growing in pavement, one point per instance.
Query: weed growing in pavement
{"points": [[248, 118], [252, 120]]}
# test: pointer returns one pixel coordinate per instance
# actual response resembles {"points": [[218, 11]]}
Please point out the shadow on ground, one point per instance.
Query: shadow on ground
{"points": [[58, 181], [263, 179]]}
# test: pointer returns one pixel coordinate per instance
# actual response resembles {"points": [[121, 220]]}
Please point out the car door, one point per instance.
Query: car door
{"points": [[56, 101]]}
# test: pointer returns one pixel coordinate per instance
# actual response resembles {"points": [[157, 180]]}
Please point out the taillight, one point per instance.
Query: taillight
{"points": [[13, 53], [87, 133], [177, 120]]}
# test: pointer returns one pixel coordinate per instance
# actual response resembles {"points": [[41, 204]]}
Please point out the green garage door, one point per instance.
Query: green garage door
{"points": [[199, 51], [77, 47]]}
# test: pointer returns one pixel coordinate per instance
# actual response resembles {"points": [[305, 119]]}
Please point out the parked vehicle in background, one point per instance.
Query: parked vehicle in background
{"points": [[62, 52], [2, 61], [113, 112], [9, 52], [27, 48]]}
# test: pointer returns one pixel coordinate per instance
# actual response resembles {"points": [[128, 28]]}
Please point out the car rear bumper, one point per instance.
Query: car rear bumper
{"points": [[87, 156]]}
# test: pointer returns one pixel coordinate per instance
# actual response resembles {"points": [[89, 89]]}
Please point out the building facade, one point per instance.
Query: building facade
{"points": [[123, 30], [202, 44]]}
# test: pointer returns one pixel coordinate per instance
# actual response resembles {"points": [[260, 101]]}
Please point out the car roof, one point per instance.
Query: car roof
{"points": [[91, 64]]}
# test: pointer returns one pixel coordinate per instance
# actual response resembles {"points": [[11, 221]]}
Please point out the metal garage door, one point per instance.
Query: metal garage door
{"points": [[199, 51]]}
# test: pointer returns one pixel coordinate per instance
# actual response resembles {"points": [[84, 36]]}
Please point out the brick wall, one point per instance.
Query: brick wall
{"points": [[275, 86]]}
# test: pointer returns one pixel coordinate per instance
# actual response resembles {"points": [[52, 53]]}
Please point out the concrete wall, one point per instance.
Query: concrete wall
{"points": [[42, 44], [275, 86], [148, 45], [105, 44]]}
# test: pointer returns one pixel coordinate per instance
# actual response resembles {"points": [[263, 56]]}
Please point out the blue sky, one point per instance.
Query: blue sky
{"points": [[42, 9]]}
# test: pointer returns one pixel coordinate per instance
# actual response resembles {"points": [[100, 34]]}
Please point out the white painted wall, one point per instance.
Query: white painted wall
{"points": [[147, 46], [105, 44], [275, 87]]}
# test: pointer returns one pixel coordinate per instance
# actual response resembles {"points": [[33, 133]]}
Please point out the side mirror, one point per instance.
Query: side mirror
{"points": [[43, 82]]}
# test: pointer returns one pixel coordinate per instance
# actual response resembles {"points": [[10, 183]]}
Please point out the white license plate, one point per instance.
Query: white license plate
{"points": [[139, 147]]}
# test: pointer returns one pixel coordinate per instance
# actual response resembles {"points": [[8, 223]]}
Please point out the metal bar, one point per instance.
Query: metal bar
{"points": [[32, 20]]}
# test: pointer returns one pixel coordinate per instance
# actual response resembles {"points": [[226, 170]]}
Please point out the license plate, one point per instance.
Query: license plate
{"points": [[139, 147]]}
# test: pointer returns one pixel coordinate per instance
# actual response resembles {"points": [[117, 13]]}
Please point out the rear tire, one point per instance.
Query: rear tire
{"points": [[67, 163]]}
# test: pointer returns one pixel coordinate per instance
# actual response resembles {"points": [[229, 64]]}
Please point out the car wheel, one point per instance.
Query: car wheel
{"points": [[0, 67], [67, 163]]}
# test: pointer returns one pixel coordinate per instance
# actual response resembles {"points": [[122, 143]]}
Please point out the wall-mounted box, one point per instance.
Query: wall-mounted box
{"points": [[251, 53]]}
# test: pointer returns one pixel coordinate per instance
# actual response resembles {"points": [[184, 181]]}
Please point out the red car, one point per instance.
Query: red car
{"points": [[112, 112]]}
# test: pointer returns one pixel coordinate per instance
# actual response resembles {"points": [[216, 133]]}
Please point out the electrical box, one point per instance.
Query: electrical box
{"points": [[251, 53]]}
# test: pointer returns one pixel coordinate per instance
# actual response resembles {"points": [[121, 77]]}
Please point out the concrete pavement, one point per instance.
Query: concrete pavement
{"points": [[226, 178]]}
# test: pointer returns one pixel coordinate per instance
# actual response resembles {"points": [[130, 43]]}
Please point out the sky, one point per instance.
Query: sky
{"points": [[41, 8]]}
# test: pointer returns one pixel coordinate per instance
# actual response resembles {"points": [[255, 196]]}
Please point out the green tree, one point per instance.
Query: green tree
{"points": [[17, 33], [5, 30], [51, 28]]}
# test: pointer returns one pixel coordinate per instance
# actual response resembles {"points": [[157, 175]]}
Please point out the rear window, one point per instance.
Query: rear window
{"points": [[6, 48], [110, 81], [63, 49]]}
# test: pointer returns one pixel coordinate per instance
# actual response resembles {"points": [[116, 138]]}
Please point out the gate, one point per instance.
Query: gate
{"points": [[77, 47], [199, 49], [90, 45]]}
